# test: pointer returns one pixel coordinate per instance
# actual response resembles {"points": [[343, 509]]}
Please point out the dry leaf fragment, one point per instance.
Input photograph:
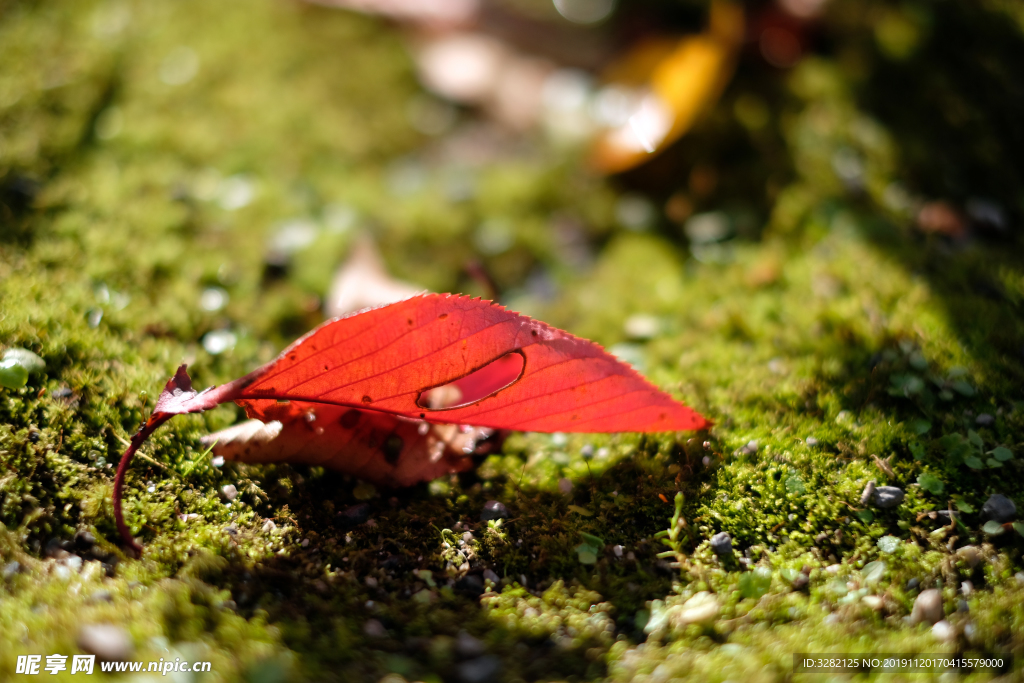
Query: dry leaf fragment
{"points": [[363, 281]]}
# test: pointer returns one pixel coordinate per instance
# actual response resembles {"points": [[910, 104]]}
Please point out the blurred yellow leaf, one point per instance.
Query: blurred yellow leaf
{"points": [[681, 80]]}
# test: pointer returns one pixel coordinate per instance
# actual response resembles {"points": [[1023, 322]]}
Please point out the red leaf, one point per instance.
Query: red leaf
{"points": [[399, 371], [386, 358]]}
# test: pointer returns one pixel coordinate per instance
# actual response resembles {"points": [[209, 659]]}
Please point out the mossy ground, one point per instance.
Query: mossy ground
{"points": [[149, 152]]}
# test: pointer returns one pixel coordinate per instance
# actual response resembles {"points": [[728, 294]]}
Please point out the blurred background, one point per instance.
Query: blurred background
{"points": [[523, 136]]}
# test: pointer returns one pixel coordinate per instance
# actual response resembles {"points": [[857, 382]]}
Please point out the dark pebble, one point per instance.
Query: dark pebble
{"points": [[721, 543], [355, 515], [479, 670], [888, 496], [84, 540], [962, 606], [53, 547], [999, 508], [943, 518], [471, 584], [912, 584], [374, 629], [469, 647], [493, 509], [801, 582], [985, 420]]}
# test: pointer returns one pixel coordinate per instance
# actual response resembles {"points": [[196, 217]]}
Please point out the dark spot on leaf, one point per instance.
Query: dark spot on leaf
{"points": [[326, 368], [533, 332], [367, 399], [392, 448], [350, 419], [442, 316], [423, 415], [409, 321]]}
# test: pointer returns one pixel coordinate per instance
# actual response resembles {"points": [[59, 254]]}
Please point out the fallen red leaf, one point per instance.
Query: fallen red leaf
{"points": [[435, 359], [382, 449]]}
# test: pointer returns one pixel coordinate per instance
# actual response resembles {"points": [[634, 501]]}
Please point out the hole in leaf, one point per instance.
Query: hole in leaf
{"points": [[479, 384]]}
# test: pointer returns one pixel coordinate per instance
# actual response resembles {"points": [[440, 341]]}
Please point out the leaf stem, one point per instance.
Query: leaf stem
{"points": [[154, 421]]}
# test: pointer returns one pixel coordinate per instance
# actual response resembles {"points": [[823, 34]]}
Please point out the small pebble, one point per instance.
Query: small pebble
{"points": [[1019, 576], [217, 461], [962, 606], [812, 442], [491, 576], [617, 550], [106, 641], [873, 601], [374, 629], [565, 486], [943, 630], [11, 568], [702, 608], [927, 607], [468, 536], [85, 540], [999, 508], [493, 509], [943, 517], [912, 584], [985, 420], [269, 525], [750, 448], [471, 583], [970, 555], [800, 582], [888, 496], [469, 647], [479, 670], [229, 492], [721, 544]]}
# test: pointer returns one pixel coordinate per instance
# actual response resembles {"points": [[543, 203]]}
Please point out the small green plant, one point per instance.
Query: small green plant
{"points": [[677, 534]]}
